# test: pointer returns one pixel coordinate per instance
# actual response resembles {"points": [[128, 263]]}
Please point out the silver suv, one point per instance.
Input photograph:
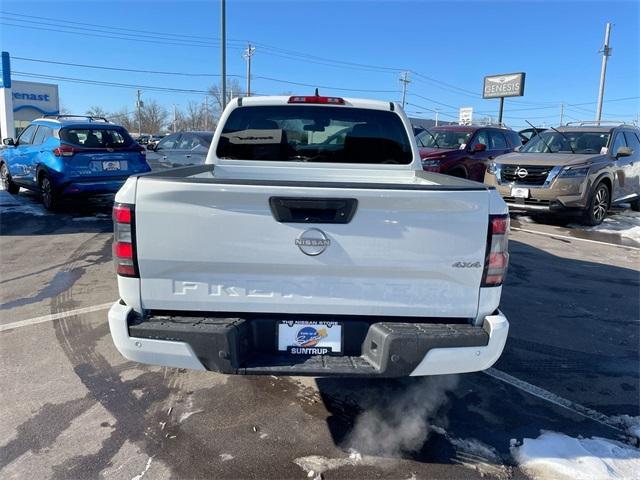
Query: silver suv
{"points": [[583, 168]]}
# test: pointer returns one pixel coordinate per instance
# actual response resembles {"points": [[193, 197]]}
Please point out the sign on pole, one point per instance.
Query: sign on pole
{"points": [[505, 85], [501, 86], [465, 116]]}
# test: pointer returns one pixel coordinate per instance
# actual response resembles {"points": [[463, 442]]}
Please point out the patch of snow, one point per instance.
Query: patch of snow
{"points": [[146, 468], [559, 456], [186, 415], [225, 457], [316, 465], [630, 424], [475, 455], [625, 223]]}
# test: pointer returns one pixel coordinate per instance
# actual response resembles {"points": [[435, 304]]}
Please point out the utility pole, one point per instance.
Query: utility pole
{"points": [[561, 113], [606, 53], [248, 53], [223, 42], [405, 80], [139, 107], [437, 110], [175, 117]]}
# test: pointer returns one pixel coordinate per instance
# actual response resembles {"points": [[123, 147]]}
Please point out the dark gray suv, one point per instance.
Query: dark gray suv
{"points": [[583, 168]]}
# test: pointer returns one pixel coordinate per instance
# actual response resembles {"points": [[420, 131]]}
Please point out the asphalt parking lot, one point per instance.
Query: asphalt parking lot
{"points": [[72, 407]]}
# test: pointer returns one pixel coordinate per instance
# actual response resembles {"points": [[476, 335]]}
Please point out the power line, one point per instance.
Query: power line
{"points": [[119, 69], [85, 34], [105, 26], [109, 84]]}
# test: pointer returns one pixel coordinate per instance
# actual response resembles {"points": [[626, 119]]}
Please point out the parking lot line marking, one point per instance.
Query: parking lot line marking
{"points": [[54, 316], [567, 237], [555, 399]]}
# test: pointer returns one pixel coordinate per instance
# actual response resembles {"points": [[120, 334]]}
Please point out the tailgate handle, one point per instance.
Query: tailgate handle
{"points": [[313, 210]]}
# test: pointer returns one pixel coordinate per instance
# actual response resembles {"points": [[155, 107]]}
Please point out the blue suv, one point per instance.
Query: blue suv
{"points": [[65, 155]]}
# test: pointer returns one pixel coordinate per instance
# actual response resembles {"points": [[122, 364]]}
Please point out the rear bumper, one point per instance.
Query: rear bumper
{"points": [[95, 187], [246, 345]]}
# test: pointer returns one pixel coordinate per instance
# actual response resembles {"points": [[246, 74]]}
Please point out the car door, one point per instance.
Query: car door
{"points": [[18, 164], [633, 173], [622, 166], [162, 157], [198, 150], [35, 151], [182, 155], [477, 162]]}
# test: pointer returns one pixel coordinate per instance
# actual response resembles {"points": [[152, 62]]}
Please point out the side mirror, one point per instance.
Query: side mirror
{"points": [[518, 148], [9, 141], [624, 152], [479, 147], [151, 146]]}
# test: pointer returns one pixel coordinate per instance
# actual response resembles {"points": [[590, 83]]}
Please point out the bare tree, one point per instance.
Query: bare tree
{"points": [[96, 111], [124, 118], [154, 117], [234, 89]]}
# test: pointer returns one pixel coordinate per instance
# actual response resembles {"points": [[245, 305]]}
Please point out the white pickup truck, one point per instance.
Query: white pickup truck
{"points": [[310, 243]]}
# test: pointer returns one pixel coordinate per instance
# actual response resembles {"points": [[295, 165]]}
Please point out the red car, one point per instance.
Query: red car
{"points": [[464, 151]]}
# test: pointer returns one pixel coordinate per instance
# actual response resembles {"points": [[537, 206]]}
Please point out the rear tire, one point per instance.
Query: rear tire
{"points": [[598, 205], [50, 197], [7, 183]]}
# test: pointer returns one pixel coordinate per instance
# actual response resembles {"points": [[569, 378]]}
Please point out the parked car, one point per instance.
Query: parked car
{"points": [[65, 155], [582, 169], [464, 151], [292, 254], [528, 133], [179, 149]]}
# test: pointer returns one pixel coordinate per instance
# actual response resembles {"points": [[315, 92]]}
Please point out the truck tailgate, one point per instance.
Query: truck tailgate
{"points": [[216, 247]]}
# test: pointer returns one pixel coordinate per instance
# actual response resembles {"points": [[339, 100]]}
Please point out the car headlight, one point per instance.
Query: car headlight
{"points": [[430, 163], [491, 168], [575, 171]]}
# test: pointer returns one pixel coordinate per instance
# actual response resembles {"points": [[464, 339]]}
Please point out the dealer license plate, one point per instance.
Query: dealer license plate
{"points": [[517, 192], [309, 338], [110, 165]]}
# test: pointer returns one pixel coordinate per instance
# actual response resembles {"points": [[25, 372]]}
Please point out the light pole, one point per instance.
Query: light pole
{"points": [[606, 53], [223, 32]]}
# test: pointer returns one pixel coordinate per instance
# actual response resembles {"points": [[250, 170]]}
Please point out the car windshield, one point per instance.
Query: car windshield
{"points": [[584, 142], [443, 138], [96, 137], [314, 134]]}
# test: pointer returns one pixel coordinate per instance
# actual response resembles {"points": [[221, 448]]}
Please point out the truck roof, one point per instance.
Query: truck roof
{"points": [[348, 102]]}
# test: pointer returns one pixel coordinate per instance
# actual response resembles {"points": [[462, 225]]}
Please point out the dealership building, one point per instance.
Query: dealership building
{"points": [[21, 102]]}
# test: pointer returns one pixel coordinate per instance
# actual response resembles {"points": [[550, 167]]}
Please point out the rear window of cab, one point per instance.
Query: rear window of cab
{"points": [[315, 134], [96, 137]]}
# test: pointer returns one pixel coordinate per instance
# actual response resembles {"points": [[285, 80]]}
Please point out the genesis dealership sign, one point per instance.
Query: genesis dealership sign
{"points": [[505, 85]]}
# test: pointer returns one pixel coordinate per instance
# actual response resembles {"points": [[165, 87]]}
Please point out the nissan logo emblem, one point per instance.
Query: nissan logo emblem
{"points": [[312, 242], [521, 172]]}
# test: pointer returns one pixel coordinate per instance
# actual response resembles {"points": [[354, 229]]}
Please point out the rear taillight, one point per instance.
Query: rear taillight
{"points": [[64, 151], [497, 258], [316, 99], [124, 242]]}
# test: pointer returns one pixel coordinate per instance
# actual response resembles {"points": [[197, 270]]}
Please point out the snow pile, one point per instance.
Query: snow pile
{"points": [[625, 224], [630, 424], [558, 456]]}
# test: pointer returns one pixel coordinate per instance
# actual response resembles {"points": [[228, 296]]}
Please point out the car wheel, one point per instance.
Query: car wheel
{"points": [[5, 178], [50, 198], [635, 205], [598, 205]]}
